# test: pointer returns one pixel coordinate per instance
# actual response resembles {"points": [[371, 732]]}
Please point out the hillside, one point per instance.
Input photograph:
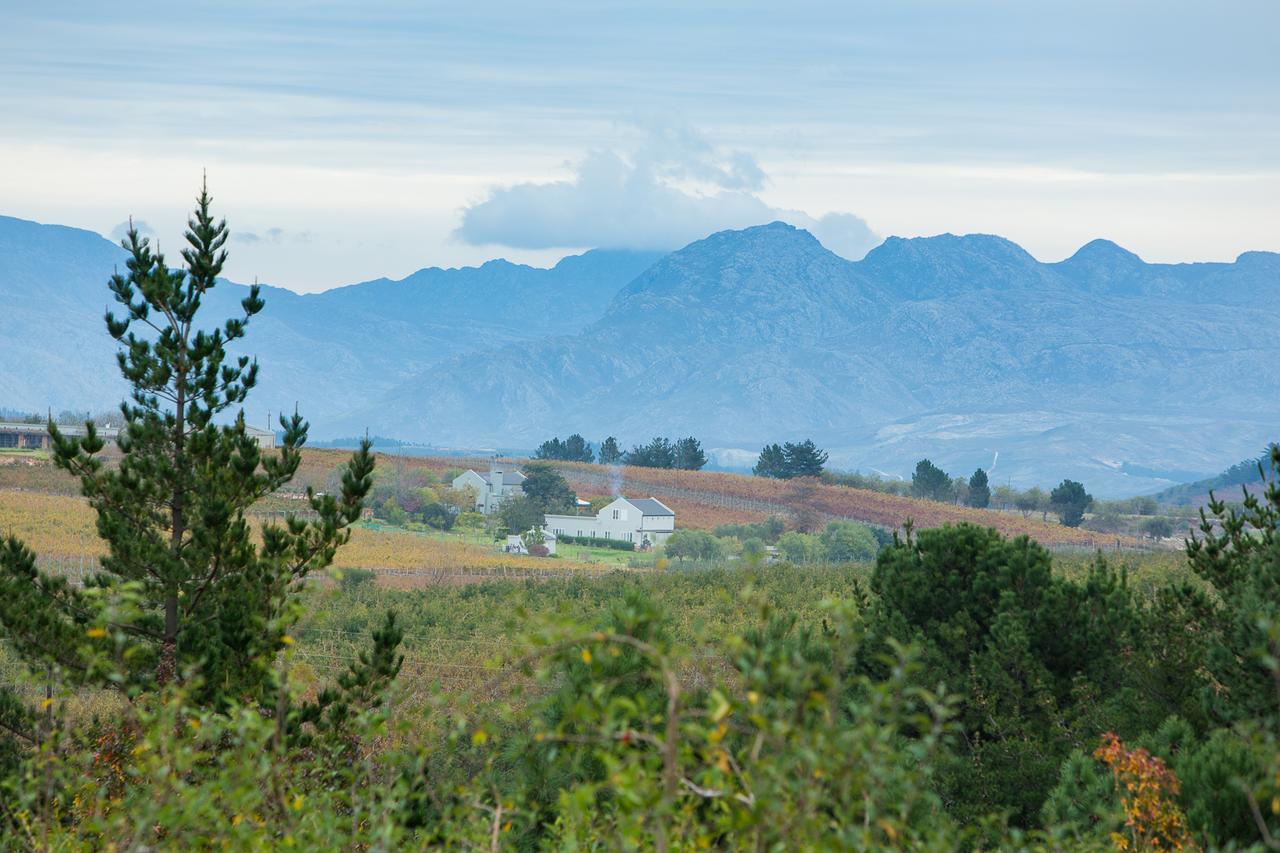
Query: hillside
{"points": [[963, 349], [704, 499], [1226, 485], [326, 352]]}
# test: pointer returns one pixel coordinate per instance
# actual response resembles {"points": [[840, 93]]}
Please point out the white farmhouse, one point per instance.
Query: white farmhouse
{"points": [[645, 521], [491, 489]]}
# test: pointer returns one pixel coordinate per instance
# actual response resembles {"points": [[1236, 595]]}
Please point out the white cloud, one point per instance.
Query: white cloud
{"points": [[675, 189], [121, 230], [271, 235]]}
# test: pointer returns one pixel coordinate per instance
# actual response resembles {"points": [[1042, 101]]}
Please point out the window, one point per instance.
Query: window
{"points": [[608, 535], [615, 513], [629, 539]]}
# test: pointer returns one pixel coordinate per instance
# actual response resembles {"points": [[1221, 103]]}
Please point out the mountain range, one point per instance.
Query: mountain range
{"points": [[1126, 375]]}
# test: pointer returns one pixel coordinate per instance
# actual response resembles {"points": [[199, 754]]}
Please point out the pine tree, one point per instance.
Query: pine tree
{"points": [[610, 452], [552, 448], [207, 604], [804, 459], [659, 453], [689, 455], [1070, 500], [772, 463], [979, 490], [930, 482], [576, 449]]}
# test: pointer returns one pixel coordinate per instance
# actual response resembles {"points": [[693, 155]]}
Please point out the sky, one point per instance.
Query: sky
{"points": [[345, 142]]}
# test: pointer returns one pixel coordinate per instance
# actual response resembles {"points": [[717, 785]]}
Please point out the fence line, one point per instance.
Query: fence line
{"points": [[77, 567]]}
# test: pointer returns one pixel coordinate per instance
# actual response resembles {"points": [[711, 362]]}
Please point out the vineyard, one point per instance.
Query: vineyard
{"points": [[811, 503], [704, 499], [60, 529], [38, 502]]}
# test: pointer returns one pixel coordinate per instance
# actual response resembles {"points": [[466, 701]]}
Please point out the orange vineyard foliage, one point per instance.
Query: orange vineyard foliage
{"points": [[1148, 791], [757, 497]]}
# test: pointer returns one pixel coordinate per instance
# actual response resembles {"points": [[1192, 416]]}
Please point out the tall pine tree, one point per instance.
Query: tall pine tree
{"points": [[804, 459], [610, 452], [772, 462], [979, 490], [208, 603]]}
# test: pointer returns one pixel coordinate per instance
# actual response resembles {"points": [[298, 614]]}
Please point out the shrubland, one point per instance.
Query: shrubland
{"points": [[965, 690]]}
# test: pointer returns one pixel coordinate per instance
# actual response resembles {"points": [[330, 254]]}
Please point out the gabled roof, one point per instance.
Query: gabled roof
{"points": [[650, 506], [502, 478]]}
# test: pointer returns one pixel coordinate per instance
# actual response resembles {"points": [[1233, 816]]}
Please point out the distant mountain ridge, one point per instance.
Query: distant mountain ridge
{"points": [[965, 349], [326, 352]]}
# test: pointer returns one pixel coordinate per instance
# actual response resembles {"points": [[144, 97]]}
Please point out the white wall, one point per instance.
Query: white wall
{"points": [[629, 525]]}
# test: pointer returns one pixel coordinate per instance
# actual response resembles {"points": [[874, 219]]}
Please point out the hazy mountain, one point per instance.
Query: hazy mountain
{"points": [[964, 349], [1127, 375], [327, 352]]}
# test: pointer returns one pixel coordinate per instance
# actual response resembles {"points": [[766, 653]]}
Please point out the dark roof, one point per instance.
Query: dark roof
{"points": [[650, 506]]}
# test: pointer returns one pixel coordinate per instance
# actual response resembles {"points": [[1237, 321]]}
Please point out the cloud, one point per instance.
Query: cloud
{"points": [[675, 189], [121, 230], [271, 235]]}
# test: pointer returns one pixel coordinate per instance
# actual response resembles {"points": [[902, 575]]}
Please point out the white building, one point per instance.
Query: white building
{"points": [[645, 521], [491, 489], [515, 544]]}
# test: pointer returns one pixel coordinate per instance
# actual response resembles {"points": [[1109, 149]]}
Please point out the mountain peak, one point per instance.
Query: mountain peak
{"points": [[927, 267], [1104, 251]]}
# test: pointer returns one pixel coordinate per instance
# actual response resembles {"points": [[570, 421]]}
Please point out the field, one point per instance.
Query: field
{"points": [[704, 499]]}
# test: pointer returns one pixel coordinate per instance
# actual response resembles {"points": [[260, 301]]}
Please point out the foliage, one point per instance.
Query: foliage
{"points": [[610, 452], [439, 515], [931, 482], [1018, 644], [1148, 792], [521, 512], [1158, 527], [547, 488], [352, 579], [788, 460], [596, 542], [772, 462], [693, 545], [979, 493], [573, 449], [689, 455], [1237, 552], [209, 605], [848, 541], [801, 548], [768, 530], [1070, 501], [659, 453]]}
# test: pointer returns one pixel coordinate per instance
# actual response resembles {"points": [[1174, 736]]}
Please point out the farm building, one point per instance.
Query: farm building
{"points": [[491, 489], [644, 521], [516, 544], [23, 437], [16, 436]]}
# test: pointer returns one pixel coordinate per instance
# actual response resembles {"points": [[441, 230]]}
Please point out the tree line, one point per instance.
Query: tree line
{"points": [[684, 453], [785, 461]]}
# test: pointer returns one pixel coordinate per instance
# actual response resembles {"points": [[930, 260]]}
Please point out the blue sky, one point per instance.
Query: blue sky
{"points": [[349, 141]]}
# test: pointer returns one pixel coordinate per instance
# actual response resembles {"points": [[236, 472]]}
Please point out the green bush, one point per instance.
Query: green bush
{"points": [[596, 542]]}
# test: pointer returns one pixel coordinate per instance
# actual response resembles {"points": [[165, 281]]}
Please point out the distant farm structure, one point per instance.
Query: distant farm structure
{"points": [[646, 522], [490, 490], [25, 436]]}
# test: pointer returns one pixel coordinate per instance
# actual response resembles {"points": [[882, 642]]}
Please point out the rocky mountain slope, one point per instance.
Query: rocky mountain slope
{"points": [[327, 352], [965, 349], [1128, 375]]}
